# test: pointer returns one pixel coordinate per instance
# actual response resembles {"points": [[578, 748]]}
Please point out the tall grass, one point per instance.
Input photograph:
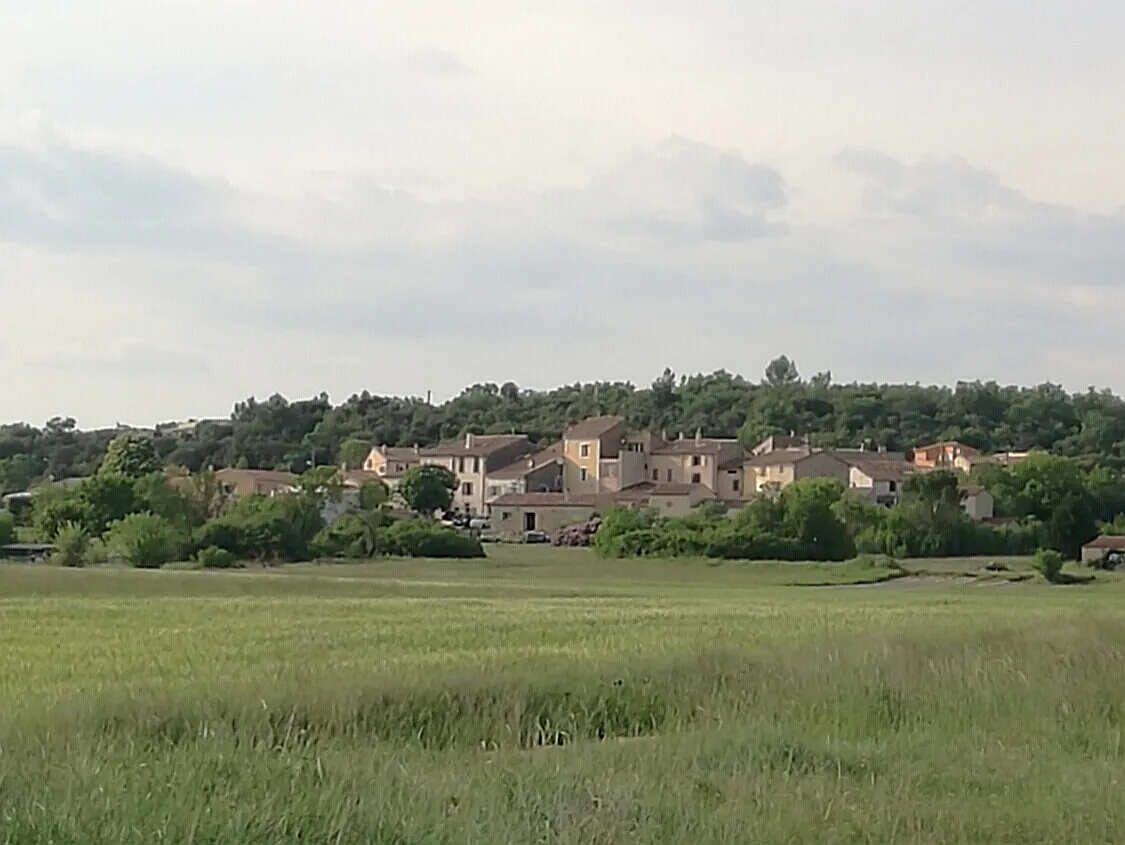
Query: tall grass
{"points": [[783, 716]]}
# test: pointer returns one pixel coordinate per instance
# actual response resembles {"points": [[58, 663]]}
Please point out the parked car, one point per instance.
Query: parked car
{"points": [[479, 523], [536, 537]]}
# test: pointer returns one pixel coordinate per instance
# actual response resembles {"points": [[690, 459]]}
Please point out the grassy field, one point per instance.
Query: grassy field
{"points": [[546, 696]]}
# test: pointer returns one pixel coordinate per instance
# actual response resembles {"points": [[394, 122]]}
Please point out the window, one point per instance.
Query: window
{"points": [[695, 460], [467, 488], [891, 486], [669, 476], [460, 464], [734, 485], [493, 490], [584, 473], [584, 450], [656, 475], [695, 479], [476, 464], [382, 470]]}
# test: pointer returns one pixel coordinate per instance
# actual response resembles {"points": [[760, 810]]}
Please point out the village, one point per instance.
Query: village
{"points": [[510, 487]]}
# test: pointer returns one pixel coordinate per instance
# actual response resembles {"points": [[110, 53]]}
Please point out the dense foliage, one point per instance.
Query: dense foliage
{"points": [[277, 433], [150, 519], [817, 519]]}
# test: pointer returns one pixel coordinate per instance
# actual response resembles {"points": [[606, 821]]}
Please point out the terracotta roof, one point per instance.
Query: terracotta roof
{"points": [[520, 468], [550, 500], [399, 453], [891, 470], [476, 445], [592, 428], [1106, 541], [691, 446], [779, 457]]}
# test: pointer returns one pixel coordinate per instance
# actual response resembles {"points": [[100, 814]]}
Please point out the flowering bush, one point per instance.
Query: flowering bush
{"points": [[576, 535]]}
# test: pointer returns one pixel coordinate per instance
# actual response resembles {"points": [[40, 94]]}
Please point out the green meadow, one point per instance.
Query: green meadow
{"points": [[547, 696]]}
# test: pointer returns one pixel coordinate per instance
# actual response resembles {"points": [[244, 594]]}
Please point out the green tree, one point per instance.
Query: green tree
{"points": [[54, 506], [427, 489], [130, 455], [781, 372], [373, 495], [353, 453], [810, 518], [7, 528], [71, 545], [145, 540], [1053, 490]]}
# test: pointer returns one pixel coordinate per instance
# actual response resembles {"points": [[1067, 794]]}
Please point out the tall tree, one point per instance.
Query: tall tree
{"points": [[130, 455]]}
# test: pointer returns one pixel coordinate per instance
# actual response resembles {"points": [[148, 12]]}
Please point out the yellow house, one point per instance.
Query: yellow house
{"points": [[592, 456]]}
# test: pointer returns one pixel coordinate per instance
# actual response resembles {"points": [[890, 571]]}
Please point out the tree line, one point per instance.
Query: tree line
{"points": [[133, 511]]}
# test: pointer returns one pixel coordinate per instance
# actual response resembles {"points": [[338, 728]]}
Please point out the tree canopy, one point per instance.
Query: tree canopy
{"points": [[281, 434]]}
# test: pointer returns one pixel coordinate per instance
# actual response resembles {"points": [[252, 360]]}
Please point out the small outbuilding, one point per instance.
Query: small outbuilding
{"points": [[1102, 547]]}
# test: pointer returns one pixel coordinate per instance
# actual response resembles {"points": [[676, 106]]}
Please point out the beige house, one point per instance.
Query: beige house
{"points": [[1102, 547], [674, 500], [245, 482], [472, 459], [776, 469], [538, 473], [776, 442], [514, 513], [945, 455], [879, 479], [715, 464], [390, 463]]}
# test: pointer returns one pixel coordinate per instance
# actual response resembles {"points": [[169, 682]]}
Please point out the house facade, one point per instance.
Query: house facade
{"points": [[879, 481], [774, 470], [246, 482], [715, 464], [541, 472], [390, 463], [944, 455], [471, 460]]}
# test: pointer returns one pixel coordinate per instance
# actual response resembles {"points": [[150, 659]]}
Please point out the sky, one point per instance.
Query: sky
{"points": [[206, 200]]}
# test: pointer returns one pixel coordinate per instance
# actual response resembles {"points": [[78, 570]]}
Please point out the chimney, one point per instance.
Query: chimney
{"points": [[699, 437], [681, 435], [469, 440], [415, 448], [882, 449], [531, 463]]}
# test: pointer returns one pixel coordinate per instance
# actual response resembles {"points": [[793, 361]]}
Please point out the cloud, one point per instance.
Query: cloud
{"points": [[60, 195], [174, 295], [435, 61]]}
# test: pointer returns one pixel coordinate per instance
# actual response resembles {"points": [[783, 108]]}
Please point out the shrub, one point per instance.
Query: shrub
{"points": [[71, 545], [1048, 563], [7, 528], [96, 553], [422, 538], [581, 534], [213, 557], [145, 540]]}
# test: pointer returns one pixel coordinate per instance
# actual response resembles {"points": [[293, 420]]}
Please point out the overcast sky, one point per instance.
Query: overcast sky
{"points": [[203, 200]]}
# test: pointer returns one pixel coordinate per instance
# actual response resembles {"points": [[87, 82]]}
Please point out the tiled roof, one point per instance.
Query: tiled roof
{"points": [[680, 490], [879, 470], [520, 468], [592, 428], [402, 454], [779, 457], [478, 445], [1106, 541], [691, 446], [550, 500]]}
